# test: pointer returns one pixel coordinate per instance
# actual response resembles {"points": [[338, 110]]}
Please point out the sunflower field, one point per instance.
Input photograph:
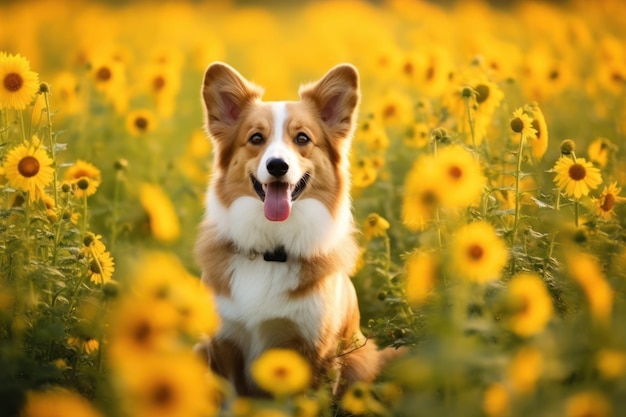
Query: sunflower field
{"points": [[487, 169]]}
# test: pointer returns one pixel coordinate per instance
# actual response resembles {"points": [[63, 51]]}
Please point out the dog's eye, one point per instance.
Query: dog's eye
{"points": [[302, 139], [256, 139]]}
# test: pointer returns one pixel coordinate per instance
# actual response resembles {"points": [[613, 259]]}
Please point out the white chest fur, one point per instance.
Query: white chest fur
{"points": [[261, 292]]}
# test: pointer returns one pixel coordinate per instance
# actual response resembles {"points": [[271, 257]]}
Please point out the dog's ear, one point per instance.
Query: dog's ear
{"points": [[336, 96], [225, 94]]}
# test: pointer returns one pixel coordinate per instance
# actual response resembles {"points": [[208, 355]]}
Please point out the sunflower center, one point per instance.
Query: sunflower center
{"points": [[389, 111], [517, 125], [577, 172], [475, 252], [28, 166], [408, 68], [535, 125], [142, 332], [429, 198], [104, 74], [162, 395], [455, 172], [141, 123], [280, 372], [13, 82], [94, 267], [158, 83], [608, 203], [482, 93]]}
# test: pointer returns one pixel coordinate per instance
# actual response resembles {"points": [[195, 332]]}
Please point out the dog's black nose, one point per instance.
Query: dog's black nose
{"points": [[277, 167]]}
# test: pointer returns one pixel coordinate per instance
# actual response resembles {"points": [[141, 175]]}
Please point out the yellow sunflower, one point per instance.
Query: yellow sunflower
{"points": [[29, 169], [422, 194], [55, 402], [588, 404], [584, 269], [539, 143], [160, 276], [418, 135], [85, 344], [496, 401], [477, 253], [85, 176], [162, 217], [101, 267], [578, 177], [605, 204], [139, 122], [359, 400], [18, 84], [421, 271], [461, 177], [281, 372], [140, 326], [375, 226], [611, 363], [531, 302], [363, 171], [175, 385], [523, 123], [525, 369], [373, 134], [600, 150]]}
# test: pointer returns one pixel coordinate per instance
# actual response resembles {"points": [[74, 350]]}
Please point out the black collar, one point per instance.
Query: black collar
{"points": [[278, 255]]}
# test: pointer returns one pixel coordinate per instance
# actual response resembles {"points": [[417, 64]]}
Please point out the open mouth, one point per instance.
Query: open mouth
{"points": [[277, 196]]}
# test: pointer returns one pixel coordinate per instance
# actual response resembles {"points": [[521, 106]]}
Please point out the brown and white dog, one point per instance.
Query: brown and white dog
{"points": [[276, 245]]}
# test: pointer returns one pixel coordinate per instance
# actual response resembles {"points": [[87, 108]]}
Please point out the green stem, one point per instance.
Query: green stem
{"points": [[21, 113], [517, 192], [576, 205], [471, 123], [116, 193], [52, 146], [84, 227]]}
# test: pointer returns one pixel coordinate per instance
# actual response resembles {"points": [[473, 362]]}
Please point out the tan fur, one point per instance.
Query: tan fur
{"points": [[327, 114]]}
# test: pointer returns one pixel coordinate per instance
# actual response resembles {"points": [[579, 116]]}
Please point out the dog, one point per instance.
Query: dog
{"points": [[276, 244]]}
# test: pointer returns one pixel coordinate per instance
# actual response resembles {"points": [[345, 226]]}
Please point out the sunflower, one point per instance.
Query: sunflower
{"points": [[496, 401], [421, 271], [162, 217], [194, 304], [523, 124], [281, 372], [611, 363], [422, 194], [175, 385], [394, 109], [375, 226], [461, 177], [85, 176], [606, 202], [85, 344], [477, 253], [140, 326], [525, 369], [55, 402], [359, 400], [373, 134], [363, 171], [532, 303], [584, 269], [588, 404], [66, 88], [101, 267], [576, 177], [18, 83], [418, 135], [139, 122], [538, 143], [600, 150], [29, 168]]}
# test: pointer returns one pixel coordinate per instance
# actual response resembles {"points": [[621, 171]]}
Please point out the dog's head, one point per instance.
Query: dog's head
{"points": [[281, 153]]}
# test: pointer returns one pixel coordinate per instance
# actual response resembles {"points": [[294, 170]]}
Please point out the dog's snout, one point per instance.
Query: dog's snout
{"points": [[277, 167]]}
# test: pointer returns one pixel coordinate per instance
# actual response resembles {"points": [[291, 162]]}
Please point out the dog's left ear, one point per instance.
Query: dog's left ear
{"points": [[336, 97]]}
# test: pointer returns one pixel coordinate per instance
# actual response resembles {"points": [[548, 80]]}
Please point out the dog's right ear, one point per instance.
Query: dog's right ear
{"points": [[225, 94]]}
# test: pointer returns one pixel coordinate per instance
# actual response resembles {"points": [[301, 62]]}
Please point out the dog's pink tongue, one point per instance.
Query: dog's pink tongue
{"points": [[277, 201]]}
